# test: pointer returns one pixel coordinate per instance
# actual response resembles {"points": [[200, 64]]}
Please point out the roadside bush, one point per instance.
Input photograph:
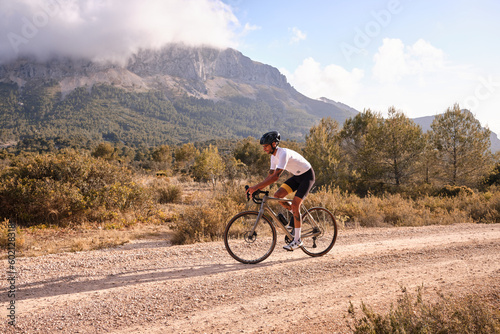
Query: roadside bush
{"points": [[398, 210], [65, 188], [206, 220], [467, 315]]}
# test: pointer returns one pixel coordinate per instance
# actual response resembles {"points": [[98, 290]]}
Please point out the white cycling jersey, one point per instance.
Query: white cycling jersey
{"points": [[289, 160]]}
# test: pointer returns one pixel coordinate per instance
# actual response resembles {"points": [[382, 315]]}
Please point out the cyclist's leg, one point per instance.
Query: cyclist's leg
{"points": [[297, 219], [282, 192], [290, 186], [306, 183]]}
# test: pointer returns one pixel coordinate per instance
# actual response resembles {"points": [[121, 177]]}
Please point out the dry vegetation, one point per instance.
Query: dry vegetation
{"points": [[475, 313], [91, 204]]}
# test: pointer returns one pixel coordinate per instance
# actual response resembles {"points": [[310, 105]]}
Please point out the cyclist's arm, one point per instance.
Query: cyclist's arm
{"points": [[273, 176]]}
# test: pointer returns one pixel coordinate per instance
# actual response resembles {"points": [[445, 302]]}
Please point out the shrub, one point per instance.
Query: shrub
{"points": [[170, 194], [397, 210], [65, 187], [453, 191], [206, 221], [165, 192], [467, 315]]}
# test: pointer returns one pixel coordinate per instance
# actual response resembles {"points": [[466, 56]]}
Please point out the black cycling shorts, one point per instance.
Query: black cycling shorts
{"points": [[301, 183]]}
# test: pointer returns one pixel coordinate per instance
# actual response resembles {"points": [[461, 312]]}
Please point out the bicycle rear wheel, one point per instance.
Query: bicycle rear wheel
{"points": [[319, 231], [245, 246]]}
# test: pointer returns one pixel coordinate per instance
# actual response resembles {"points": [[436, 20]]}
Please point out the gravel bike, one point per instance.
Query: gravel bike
{"points": [[250, 236]]}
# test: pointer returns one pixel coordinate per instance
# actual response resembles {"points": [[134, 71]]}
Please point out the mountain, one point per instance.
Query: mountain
{"points": [[426, 121], [173, 95]]}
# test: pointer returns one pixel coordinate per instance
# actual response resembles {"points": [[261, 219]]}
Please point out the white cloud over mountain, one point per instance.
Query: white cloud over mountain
{"points": [[110, 29], [332, 81]]}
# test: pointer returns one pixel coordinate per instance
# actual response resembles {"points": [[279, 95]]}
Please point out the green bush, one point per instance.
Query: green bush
{"points": [[64, 188]]}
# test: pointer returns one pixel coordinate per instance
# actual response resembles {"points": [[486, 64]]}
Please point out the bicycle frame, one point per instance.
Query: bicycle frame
{"points": [[264, 207]]}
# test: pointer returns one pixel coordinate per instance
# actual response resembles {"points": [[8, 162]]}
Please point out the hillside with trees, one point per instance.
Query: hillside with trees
{"points": [[106, 113]]}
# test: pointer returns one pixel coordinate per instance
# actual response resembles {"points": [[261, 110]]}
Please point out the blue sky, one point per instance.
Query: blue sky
{"points": [[419, 56]]}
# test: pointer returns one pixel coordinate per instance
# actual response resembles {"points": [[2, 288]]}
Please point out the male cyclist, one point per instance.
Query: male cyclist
{"points": [[302, 180]]}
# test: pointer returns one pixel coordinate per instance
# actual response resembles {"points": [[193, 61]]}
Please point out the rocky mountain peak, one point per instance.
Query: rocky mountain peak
{"points": [[201, 64], [193, 65]]}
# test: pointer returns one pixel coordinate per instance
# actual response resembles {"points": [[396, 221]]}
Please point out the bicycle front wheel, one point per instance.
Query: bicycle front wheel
{"points": [[247, 241], [319, 231]]}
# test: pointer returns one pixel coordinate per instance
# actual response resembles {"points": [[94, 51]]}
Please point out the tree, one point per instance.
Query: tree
{"points": [[105, 151], [185, 156], [208, 166], [361, 168], [427, 161], [462, 147], [400, 143], [249, 152], [322, 150]]}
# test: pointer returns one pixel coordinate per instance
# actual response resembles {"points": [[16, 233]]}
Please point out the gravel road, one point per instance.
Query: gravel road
{"points": [[150, 286]]}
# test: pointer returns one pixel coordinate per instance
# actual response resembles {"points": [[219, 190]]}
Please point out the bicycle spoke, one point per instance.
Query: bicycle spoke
{"points": [[246, 242], [319, 231]]}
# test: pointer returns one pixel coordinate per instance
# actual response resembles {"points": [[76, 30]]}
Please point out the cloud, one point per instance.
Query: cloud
{"points": [[332, 81], [418, 79], [110, 29], [297, 35], [249, 28], [394, 60]]}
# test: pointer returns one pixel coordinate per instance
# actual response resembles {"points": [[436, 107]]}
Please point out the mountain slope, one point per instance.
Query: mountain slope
{"points": [[177, 94]]}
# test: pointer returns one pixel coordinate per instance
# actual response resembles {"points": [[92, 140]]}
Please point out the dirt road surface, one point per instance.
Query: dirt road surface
{"points": [[150, 286]]}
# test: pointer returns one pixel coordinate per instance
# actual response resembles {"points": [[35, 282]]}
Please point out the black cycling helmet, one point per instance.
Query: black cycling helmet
{"points": [[270, 137]]}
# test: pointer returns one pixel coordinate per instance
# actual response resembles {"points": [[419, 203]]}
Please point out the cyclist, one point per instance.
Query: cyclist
{"points": [[302, 180]]}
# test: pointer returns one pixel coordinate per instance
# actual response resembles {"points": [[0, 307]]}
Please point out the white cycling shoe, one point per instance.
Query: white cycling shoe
{"points": [[293, 245]]}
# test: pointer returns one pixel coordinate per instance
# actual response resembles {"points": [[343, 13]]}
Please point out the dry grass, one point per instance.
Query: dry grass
{"points": [[475, 313], [44, 240], [398, 210]]}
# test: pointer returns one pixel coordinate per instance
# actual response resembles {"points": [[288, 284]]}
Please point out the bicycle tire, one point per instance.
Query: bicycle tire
{"points": [[245, 248], [322, 240]]}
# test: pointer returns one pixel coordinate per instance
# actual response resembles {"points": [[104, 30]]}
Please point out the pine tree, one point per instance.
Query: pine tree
{"points": [[322, 150], [462, 147], [400, 143], [361, 167]]}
